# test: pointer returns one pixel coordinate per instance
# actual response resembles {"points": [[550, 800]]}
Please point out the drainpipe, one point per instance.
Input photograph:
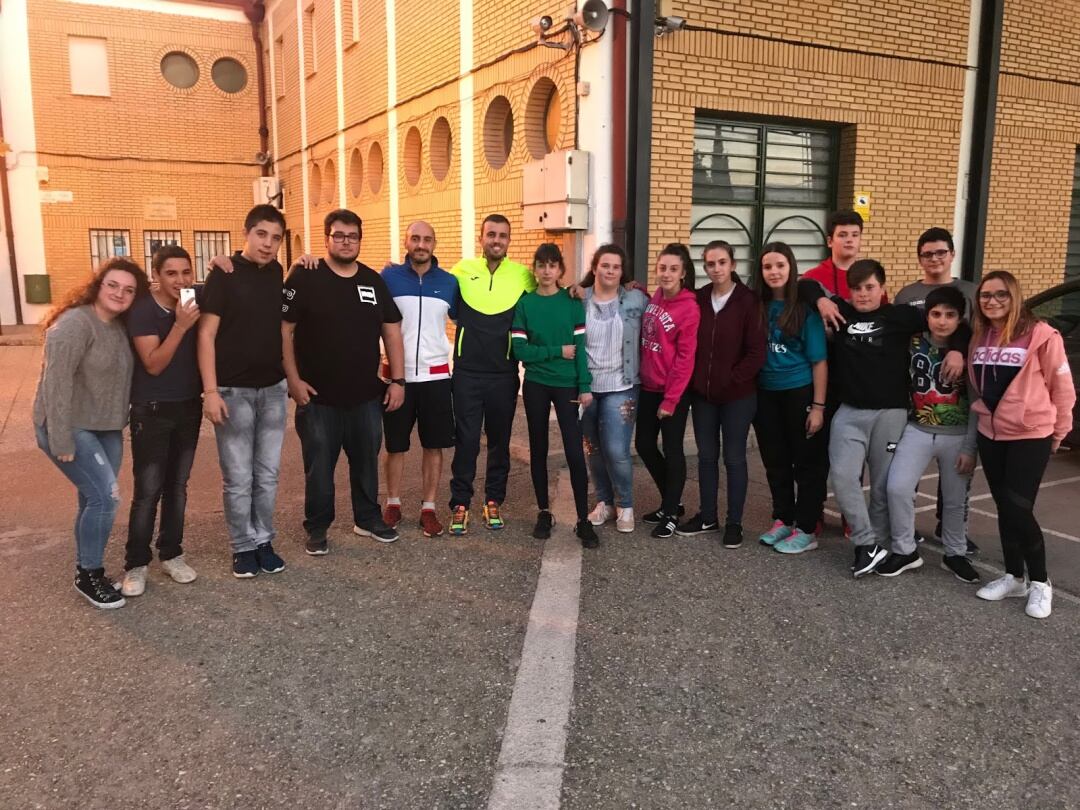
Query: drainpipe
{"points": [[619, 30], [256, 13], [967, 127], [9, 230], [982, 136], [642, 27]]}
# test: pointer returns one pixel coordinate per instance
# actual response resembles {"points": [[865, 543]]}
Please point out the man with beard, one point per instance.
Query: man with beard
{"points": [[426, 295], [485, 373], [333, 316]]}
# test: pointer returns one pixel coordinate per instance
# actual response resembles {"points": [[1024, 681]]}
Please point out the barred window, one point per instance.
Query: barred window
{"points": [[209, 244], [152, 240], [107, 243]]}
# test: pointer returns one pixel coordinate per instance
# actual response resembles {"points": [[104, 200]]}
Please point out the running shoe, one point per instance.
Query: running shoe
{"points": [[779, 531], [796, 543]]}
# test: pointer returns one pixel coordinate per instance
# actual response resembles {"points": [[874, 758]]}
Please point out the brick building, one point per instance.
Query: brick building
{"points": [[757, 120]]}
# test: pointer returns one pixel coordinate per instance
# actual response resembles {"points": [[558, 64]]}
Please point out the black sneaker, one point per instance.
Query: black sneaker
{"points": [[587, 534], [665, 528], [316, 545], [896, 564], [377, 531], [268, 559], [732, 535], [544, 523], [657, 516], [245, 564], [960, 567], [867, 558], [919, 537], [99, 590], [855, 559], [696, 525], [972, 549]]}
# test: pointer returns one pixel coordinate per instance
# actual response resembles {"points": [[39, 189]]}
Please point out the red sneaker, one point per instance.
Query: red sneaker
{"points": [[430, 523], [392, 515]]}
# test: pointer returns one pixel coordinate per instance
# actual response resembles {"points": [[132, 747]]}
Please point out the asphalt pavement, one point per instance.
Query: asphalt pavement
{"points": [[382, 675]]}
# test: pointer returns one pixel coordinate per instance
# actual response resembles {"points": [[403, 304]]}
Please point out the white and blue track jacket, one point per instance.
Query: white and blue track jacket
{"points": [[425, 302]]}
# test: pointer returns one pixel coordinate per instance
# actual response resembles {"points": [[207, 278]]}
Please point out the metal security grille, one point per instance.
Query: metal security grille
{"points": [[761, 182], [1072, 250], [209, 244], [152, 240], [105, 244]]}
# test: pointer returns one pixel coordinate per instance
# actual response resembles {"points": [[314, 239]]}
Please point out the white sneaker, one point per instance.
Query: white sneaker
{"points": [[624, 521], [134, 582], [601, 514], [1003, 588], [1038, 604], [179, 570]]}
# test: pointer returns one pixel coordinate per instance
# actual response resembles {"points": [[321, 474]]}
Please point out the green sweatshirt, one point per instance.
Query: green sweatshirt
{"points": [[543, 324]]}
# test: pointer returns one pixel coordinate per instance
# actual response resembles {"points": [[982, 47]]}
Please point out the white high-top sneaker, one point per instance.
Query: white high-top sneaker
{"points": [[1003, 588], [624, 521], [601, 514], [1038, 603]]}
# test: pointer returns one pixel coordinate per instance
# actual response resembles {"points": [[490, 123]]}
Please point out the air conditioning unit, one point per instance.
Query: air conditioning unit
{"points": [[267, 191]]}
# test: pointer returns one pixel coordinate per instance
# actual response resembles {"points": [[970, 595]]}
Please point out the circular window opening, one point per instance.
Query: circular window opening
{"points": [[498, 132], [229, 75], [329, 179], [356, 173], [441, 148], [179, 70], [315, 184], [413, 147], [543, 118], [374, 168]]}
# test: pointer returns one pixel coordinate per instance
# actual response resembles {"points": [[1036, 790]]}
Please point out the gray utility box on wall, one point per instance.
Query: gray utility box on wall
{"points": [[556, 192], [38, 290]]}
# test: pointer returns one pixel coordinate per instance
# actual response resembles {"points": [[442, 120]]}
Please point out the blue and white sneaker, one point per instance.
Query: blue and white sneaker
{"points": [[797, 543], [268, 559], [779, 531]]}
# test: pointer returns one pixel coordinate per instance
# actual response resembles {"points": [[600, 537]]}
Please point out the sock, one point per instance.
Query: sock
{"points": [[393, 501], [428, 505]]}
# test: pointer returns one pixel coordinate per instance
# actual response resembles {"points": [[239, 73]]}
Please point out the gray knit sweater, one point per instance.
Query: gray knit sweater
{"points": [[85, 379]]}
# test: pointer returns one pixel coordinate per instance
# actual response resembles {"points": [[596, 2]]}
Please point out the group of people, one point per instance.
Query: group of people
{"points": [[835, 379]]}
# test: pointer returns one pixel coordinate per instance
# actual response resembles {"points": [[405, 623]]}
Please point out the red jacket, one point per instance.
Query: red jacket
{"points": [[730, 346], [833, 279], [668, 337]]}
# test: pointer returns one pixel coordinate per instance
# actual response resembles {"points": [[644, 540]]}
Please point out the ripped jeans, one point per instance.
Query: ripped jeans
{"points": [[608, 426], [93, 472]]}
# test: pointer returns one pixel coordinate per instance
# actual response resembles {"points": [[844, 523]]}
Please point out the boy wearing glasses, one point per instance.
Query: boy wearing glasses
{"points": [[936, 252], [333, 316]]}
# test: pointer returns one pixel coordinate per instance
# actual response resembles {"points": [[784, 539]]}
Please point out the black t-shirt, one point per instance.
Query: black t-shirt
{"points": [[338, 325], [248, 301], [179, 380]]}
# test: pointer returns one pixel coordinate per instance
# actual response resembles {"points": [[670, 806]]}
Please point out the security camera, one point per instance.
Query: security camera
{"points": [[263, 158], [541, 25], [669, 25]]}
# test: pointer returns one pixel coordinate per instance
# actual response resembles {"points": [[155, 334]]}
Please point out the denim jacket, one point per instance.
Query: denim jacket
{"points": [[632, 305]]}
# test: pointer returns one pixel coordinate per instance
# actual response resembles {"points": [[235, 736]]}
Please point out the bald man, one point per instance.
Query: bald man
{"points": [[426, 295]]}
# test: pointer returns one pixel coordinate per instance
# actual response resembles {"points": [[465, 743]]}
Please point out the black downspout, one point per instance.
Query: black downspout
{"points": [[638, 184], [982, 140], [256, 13], [9, 231]]}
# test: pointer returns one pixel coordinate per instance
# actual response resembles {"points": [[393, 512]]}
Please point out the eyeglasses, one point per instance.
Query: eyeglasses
{"points": [[113, 286], [341, 238], [997, 295], [934, 254]]}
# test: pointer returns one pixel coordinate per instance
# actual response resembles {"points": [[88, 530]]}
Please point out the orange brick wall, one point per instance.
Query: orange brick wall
{"points": [[145, 119]]}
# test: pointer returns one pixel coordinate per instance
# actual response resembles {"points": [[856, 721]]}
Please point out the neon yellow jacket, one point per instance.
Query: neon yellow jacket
{"points": [[486, 313]]}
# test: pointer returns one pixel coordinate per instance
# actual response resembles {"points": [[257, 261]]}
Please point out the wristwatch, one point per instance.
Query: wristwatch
{"points": [[399, 381]]}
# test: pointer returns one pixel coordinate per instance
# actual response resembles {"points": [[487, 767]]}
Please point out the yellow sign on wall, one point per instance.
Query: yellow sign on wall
{"points": [[862, 205]]}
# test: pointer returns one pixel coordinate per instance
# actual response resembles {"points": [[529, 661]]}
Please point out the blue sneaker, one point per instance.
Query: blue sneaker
{"points": [[268, 559], [779, 531], [798, 542], [245, 564]]}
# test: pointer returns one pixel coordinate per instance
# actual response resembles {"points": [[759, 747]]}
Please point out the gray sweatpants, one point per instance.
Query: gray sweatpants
{"points": [[858, 436], [913, 455]]}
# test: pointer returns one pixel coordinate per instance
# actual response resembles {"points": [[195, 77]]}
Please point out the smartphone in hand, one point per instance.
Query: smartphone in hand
{"points": [[187, 294]]}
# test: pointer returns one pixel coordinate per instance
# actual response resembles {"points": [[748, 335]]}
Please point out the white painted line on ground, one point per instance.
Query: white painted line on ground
{"points": [[529, 772], [1044, 485], [1062, 535]]}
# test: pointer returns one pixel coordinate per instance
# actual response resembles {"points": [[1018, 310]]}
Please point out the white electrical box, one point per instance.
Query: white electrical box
{"points": [[267, 191], [555, 192]]}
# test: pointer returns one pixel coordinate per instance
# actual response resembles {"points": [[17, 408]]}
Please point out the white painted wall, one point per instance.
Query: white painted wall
{"points": [[595, 131], [21, 162], [392, 129], [466, 134], [967, 126]]}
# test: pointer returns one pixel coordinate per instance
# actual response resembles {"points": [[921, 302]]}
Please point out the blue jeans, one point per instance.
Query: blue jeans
{"points": [[608, 426], [726, 425], [93, 472], [324, 431], [249, 450]]}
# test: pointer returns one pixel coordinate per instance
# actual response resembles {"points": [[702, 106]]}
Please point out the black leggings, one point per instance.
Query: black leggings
{"points": [[538, 400], [668, 469], [1014, 471]]}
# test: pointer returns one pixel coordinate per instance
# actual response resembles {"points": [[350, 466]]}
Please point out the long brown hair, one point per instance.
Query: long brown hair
{"points": [[793, 314], [590, 277], [1018, 322], [88, 292]]}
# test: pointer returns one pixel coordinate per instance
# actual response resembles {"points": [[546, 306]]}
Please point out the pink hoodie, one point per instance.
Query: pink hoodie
{"points": [[1039, 401], [668, 344]]}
